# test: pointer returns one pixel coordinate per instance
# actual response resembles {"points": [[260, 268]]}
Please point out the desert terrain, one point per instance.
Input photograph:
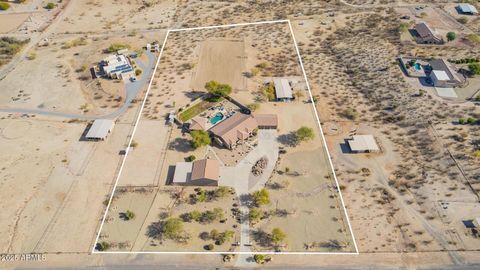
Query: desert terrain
{"points": [[407, 204]]}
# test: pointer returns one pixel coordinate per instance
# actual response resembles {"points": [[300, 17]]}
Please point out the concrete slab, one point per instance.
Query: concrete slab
{"points": [[446, 92]]}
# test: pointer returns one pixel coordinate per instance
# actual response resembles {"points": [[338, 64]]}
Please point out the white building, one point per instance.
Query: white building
{"points": [[283, 90], [117, 67], [467, 9], [363, 144], [100, 129]]}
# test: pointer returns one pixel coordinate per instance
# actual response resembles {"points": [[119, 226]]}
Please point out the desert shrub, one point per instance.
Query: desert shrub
{"points": [[191, 158], [474, 38], [351, 114], [50, 5], [474, 68], [278, 235], [138, 72], [114, 47], [255, 214], [74, 43], [172, 228], [462, 20], [269, 91], [253, 106]]}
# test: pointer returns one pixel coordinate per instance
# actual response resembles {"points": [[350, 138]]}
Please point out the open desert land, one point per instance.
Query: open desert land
{"points": [[409, 205]]}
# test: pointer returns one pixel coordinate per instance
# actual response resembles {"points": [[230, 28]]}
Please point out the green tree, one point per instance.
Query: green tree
{"points": [[278, 235], [217, 89], [221, 192], [253, 106], [451, 36], [200, 138], [474, 68], [172, 228], [403, 27], [129, 215], [4, 6], [102, 246], [261, 197], [50, 6], [304, 134]]}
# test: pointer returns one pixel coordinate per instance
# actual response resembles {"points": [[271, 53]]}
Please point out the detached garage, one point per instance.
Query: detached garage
{"points": [[100, 129]]}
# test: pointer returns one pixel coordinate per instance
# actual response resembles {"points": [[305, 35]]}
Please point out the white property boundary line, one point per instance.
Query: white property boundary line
{"points": [[94, 251]]}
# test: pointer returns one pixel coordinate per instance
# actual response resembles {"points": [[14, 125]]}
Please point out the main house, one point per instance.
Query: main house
{"points": [[426, 35], [239, 127], [443, 74]]}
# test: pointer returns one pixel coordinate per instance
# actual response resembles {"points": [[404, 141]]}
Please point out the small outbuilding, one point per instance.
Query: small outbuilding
{"points": [[363, 144], [100, 129], [283, 89], [183, 173], [468, 9]]}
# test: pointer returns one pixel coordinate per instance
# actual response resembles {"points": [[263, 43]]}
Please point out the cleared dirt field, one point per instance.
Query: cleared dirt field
{"points": [[10, 22], [223, 61]]}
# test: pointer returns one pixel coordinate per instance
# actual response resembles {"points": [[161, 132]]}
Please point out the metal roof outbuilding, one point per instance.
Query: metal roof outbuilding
{"points": [[100, 129]]}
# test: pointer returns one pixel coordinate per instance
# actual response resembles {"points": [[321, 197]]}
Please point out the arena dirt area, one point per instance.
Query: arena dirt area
{"points": [[10, 22], [223, 61]]}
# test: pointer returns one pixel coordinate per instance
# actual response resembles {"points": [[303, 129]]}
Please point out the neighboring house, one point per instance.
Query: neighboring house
{"points": [[283, 89], [204, 172], [117, 67], [234, 130], [100, 129], [443, 74], [426, 35], [467, 9], [363, 144]]}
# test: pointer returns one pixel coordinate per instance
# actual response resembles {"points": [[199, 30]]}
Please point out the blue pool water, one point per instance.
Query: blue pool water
{"points": [[418, 66], [218, 117]]}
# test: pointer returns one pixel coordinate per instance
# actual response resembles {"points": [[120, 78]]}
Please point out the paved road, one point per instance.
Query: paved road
{"points": [[132, 89]]}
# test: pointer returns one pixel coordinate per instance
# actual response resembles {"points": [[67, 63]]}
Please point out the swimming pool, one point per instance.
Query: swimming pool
{"points": [[418, 66], [217, 118]]}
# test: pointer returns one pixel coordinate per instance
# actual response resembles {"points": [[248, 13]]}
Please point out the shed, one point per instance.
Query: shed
{"points": [[183, 173], [283, 90], [363, 144], [100, 129], [465, 8]]}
